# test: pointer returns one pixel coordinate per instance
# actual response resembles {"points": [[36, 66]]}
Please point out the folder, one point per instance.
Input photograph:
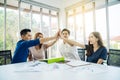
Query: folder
{"points": [[53, 60]]}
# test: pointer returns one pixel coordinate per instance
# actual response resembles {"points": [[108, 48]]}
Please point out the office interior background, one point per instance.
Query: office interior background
{"points": [[81, 17]]}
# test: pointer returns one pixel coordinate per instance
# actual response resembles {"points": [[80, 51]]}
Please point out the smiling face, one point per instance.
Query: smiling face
{"points": [[65, 34], [93, 39]]}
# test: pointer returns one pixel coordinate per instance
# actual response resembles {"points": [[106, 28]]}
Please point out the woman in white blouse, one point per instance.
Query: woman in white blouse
{"points": [[38, 52]]}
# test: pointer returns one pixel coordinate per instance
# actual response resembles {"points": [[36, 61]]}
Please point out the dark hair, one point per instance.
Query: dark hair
{"points": [[37, 34], [66, 30], [90, 46], [24, 31]]}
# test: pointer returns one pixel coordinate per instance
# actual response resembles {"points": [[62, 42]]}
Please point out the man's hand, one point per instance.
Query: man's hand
{"points": [[57, 35], [60, 35]]}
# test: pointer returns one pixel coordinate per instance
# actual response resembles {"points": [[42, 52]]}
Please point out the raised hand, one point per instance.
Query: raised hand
{"points": [[60, 35], [57, 35]]}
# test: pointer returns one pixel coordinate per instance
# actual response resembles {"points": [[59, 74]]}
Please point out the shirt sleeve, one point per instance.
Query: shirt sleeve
{"points": [[103, 54], [30, 43]]}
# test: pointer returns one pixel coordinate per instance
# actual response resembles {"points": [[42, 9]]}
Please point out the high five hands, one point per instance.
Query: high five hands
{"points": [[59, 35]]}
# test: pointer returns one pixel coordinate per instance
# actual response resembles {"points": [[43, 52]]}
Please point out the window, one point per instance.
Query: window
{"points": [[36, 20], [88, 24], [54, 28], [11, 27], [35, 23], [54, 20], [89, 27], [1, 27], [45, 22], [101, 24], [79, 25], [114, 23], [25, 16], [71, 24]]}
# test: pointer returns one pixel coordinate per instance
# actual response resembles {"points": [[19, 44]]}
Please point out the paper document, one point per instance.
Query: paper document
{"points": [[76, 63]]}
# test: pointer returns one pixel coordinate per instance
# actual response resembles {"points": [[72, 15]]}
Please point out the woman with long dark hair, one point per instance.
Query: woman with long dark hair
{"points": [[96, 52]]}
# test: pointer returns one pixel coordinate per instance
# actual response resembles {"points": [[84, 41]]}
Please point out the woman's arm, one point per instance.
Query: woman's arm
{"points": [[103, 56], [100, 61], [51, 43]]}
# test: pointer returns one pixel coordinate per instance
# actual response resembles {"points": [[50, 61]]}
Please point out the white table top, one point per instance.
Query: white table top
{"points": [[55, 71]]}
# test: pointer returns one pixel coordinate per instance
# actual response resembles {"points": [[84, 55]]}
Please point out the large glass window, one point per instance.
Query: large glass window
{"points": [[54, 20], [54, 28], [88, 24], [1, 27], [11, 29], [101, 24], [11, 26], [36, 20], [114, 23], [70, 23], [45, 22], [25, 16], [88, 20], [79, 25]]}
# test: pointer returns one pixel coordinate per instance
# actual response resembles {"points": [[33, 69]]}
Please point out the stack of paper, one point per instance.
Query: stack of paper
{"points": [[75, 63]]}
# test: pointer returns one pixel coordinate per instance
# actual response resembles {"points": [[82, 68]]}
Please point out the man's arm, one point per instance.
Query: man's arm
{"points": [[30, 43], [71, 42], [74, 43], [42, 40]]}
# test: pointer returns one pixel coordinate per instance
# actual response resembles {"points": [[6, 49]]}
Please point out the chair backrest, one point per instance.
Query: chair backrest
{"points": [[114, 57], [81, 53], [5, 57], [46, 55]]}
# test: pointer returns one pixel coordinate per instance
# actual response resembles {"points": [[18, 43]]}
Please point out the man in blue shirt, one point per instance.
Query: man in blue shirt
{"points": [[21, 52]]}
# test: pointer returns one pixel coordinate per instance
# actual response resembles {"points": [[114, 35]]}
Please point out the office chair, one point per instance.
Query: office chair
{"points": [[81, 53], [46, 56], [114, 57], [5, 57]]}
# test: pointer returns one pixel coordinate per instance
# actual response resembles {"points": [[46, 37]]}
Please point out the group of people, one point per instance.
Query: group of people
{"points": [[27, 48]]}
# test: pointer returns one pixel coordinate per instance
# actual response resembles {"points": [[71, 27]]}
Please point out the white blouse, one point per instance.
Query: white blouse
{"points": [[38, 54], [68, 51]]}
